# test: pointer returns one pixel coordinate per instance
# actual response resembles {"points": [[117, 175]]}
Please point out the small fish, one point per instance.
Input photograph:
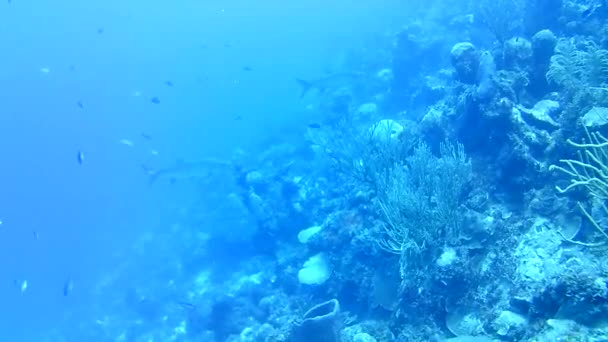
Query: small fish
{"points": [[72, 68], [186, 170], [169, 83], [146, 136], [247, 68], [102, 322], [23, 286], [126, 142], [80, 104], [588, 12], [148, 170], [36, 235], [227, 45], [595, 10], [330, 81], [314, 125], [155, 100], [154, 152], [68, 286], [187, 305], [238, 118], [80, 157], [100, 30], [45, 70]]}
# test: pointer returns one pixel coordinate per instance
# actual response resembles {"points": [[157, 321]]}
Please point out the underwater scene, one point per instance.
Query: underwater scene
{"points": [[304, 171]]}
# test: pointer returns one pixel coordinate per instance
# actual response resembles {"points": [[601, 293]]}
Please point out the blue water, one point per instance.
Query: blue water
{"points": [[63, 220]]}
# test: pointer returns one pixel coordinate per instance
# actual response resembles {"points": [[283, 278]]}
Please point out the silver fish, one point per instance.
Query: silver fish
{"points": [[186, 170], [330, 81], [68, 286]]}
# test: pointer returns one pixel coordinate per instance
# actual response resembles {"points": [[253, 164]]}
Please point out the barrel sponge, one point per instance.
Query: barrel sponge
{"points": [[319, 324]]}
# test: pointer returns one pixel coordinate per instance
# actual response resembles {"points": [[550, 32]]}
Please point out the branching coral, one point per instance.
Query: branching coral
{"points": [[365, 154], [420, 202], [589, 172], [501, 17]]}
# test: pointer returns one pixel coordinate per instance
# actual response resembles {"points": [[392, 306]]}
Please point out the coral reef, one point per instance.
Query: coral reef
{"points": [[461, 197]]}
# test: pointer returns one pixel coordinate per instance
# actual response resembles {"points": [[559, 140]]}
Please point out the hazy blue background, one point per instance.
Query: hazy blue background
{"points": [[88, 217]]}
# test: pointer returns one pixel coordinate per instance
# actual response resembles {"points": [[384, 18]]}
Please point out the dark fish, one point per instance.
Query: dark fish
{"points": [[314, 125], [155, 100], [68, 286], [146, 136], [238, 118], [36, 235], [72, 68], [80, 157], [247, 68], [227, 45], [100, 30], [80, 104], [588, 12], [595, 10], [187, 305], [169, 83]]}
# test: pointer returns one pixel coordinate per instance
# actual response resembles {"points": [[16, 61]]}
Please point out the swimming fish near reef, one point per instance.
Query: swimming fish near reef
{"points": [[588, 12], [598, 10], [126, 142], [155, 100], [80, 157], [330, 81], [185, 170], [187, 305], [68, 286]]}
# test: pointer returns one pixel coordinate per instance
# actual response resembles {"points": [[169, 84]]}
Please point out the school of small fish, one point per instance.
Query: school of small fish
{"points": [[68, 286]]}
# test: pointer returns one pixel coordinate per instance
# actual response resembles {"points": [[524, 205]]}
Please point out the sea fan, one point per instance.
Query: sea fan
{"points": [[567, 68], [596, 65]]}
